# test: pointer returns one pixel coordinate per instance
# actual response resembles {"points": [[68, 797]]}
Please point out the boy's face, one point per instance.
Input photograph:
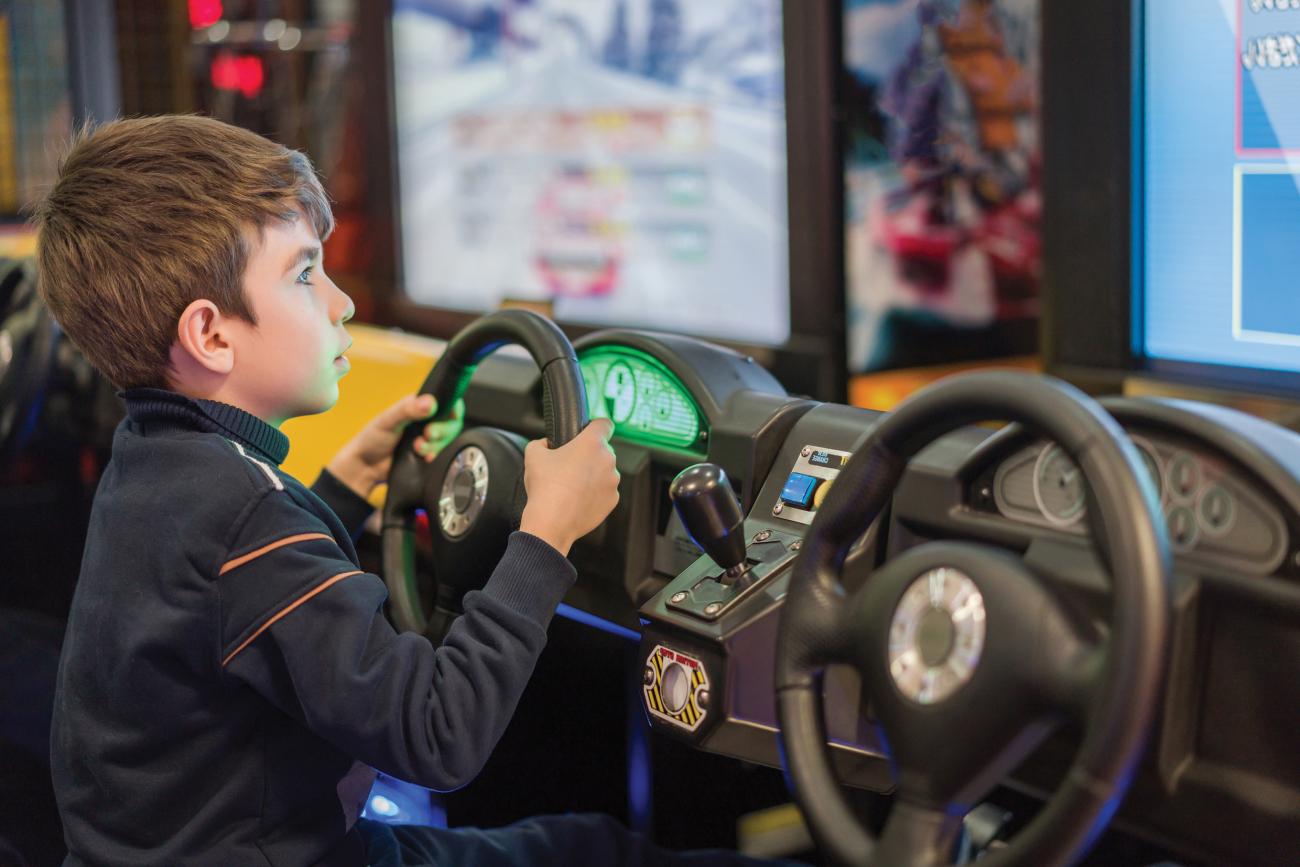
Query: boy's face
{"points": [[290, 363]]}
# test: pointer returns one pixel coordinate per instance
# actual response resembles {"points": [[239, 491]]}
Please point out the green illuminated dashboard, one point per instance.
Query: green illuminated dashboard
{"points": [[642, 397]]}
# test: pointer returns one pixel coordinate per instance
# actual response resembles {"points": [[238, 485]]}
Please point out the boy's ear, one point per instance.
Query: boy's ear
{"points": [[199, 334]]}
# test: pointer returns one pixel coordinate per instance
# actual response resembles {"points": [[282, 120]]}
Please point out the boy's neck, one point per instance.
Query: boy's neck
{"points": [[186, 376]]}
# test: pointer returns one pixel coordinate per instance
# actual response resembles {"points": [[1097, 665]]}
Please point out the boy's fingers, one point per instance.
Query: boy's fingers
{"points": [[423, 405], [437, 430], [408, 409], [604, 427]]}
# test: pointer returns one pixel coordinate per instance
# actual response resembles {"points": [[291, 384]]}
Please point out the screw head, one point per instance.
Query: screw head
{"points": [[648, 676], [796, 544], [762, 535], [679, 596], [702, 699], [778, 508], [805, 451], [713, 608]]}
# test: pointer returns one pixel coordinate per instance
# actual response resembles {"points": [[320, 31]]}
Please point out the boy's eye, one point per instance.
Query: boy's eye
{"points": [[305, 275]]}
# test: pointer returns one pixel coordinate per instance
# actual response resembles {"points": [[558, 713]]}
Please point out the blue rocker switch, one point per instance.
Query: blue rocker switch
{"points": [[798, 490]]}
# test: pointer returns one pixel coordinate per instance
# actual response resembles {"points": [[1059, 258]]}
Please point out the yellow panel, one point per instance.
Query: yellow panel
{"points": [[18, 241], [884, 390], [386, 365]]}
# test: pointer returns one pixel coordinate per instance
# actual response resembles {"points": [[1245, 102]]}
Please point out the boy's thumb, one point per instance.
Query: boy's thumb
{"points": [[425, 404]]}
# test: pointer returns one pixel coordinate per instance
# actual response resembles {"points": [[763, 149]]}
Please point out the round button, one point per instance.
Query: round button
{"points": [[675, 687], [935, 636], [820, 494], [462, 490], [1216, 510], [1183, 531]]}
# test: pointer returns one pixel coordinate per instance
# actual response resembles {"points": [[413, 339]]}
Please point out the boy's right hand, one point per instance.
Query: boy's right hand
{"points": [[570, 489]]}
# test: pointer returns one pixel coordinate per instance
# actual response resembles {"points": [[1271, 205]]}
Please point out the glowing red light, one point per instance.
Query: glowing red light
{"points": [[244, 73], [205, 13]]}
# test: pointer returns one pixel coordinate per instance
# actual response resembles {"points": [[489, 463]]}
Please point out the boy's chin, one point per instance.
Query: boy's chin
{"points": [[319, 403]]}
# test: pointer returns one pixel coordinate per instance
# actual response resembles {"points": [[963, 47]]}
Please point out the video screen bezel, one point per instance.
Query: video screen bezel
{"points": [[812, 361], [1093, 327]]}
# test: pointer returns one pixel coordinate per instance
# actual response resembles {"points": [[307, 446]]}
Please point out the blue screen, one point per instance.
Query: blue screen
{"points": [[623, 161], [1220, 205]]}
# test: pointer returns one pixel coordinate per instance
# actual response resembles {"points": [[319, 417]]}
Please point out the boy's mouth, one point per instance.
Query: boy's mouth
{"points": [[341, 360]]}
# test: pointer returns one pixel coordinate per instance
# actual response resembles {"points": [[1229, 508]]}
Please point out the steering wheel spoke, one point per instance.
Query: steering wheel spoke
{"points": [[917, 835]]}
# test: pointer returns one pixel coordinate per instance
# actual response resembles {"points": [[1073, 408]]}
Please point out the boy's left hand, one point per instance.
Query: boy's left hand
{"points": [[363, 463]]}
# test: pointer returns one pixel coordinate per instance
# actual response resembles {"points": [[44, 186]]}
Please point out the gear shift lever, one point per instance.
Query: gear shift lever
{"points": [[709, 509]]}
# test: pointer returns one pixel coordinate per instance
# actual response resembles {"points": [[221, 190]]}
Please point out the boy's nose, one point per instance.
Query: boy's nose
{"points": [[342, 306]]}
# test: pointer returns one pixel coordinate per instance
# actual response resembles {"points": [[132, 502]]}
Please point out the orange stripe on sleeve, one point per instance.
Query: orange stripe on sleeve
{"points": [[266, 549], [300, 600]]}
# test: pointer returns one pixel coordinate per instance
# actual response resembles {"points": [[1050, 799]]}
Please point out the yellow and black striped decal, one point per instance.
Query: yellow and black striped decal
{"points": [[674, 683]]}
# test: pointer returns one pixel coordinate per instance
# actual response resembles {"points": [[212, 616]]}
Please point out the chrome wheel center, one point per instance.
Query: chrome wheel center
{"points": [[936, 635], [464, 489]]}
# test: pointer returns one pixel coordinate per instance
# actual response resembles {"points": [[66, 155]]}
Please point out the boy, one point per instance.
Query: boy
{"points": [[228, 679]]}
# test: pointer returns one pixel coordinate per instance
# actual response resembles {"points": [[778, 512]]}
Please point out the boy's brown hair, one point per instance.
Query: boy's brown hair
{"points": [[150, 214]]}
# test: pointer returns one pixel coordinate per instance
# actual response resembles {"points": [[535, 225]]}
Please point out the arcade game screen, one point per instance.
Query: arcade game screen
{"points": [[621, 160], [1221, 177], [942, 179]]}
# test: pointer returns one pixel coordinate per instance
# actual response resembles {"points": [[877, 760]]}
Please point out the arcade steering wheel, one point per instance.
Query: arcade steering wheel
{"points": [[473, 492], [968, 661]]}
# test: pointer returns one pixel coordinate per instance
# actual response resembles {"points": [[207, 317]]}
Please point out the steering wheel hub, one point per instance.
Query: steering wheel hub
{"points": [[936, 635], [464, 490]]}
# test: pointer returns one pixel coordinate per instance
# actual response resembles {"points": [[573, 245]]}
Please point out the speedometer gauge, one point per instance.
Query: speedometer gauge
{"points": [[1058, 486], [619, 392]]}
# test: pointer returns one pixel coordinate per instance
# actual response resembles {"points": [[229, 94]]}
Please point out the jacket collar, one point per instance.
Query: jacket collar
{"points": [[159, 407]]}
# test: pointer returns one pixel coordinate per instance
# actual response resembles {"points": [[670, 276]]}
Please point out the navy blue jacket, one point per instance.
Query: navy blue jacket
{"points": [[229, 679]]}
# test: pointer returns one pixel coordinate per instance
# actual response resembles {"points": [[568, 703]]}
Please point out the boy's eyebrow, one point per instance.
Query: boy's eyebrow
{"points": [[306, 254]]}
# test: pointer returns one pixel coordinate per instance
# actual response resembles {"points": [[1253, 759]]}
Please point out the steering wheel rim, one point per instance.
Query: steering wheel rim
{"points": [[1118, 702], [564, 402]]}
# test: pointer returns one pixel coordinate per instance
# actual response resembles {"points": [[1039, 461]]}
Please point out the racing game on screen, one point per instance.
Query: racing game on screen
{"points": [[621, 160], [1221, 144]]}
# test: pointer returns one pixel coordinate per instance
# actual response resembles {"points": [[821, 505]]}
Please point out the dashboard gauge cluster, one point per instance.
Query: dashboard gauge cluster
{"points": [[1209, 512], [642, 397]]}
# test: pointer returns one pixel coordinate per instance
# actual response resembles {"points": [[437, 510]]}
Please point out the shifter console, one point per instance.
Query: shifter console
{"points": [[713, 593], [707, 637], [711, 514]]}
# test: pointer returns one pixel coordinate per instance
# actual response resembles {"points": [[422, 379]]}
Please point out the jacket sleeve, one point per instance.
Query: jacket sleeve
{"points": [[351, 508], [305, 628]]}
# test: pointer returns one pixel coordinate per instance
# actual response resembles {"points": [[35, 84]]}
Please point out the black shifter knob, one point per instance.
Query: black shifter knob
{"points": [[709, 509]]}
